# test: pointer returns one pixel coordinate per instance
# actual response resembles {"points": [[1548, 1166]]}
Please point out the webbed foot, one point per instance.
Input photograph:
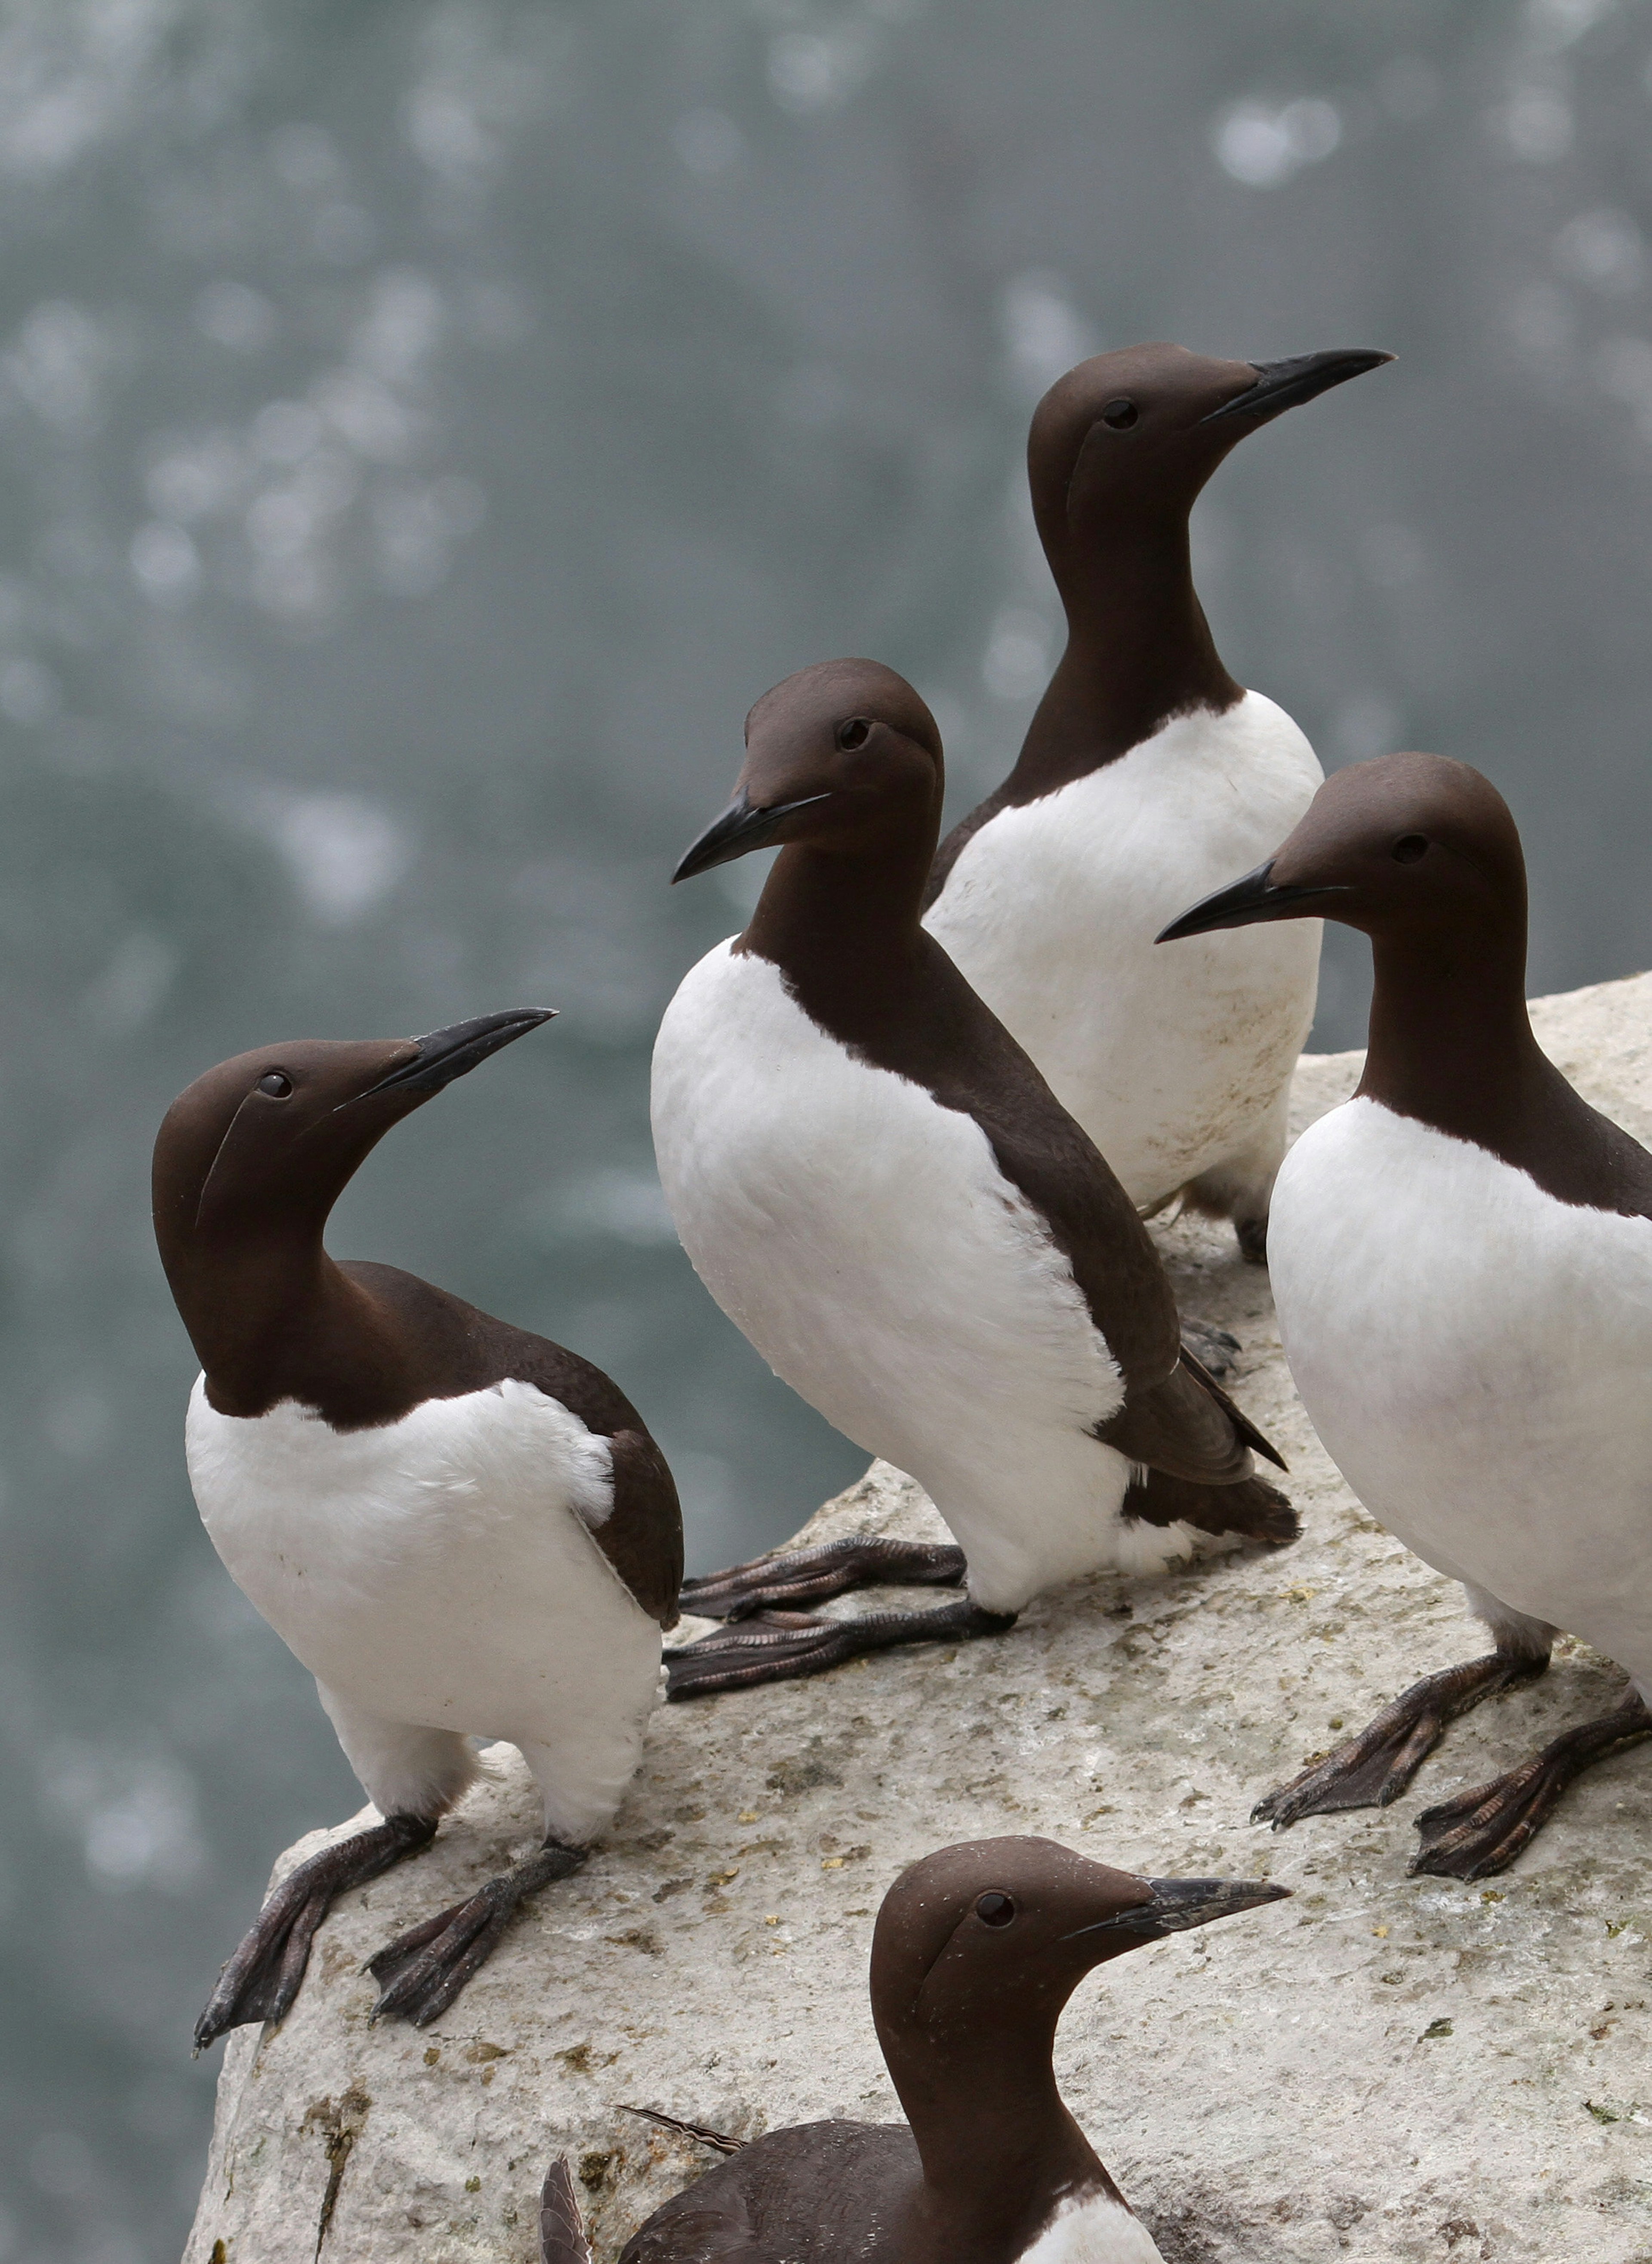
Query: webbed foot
{"points": [[261, 1980], [810, 1576], [782, 1646], [1478, 1833], [425, 1969], [1374, 1767]]}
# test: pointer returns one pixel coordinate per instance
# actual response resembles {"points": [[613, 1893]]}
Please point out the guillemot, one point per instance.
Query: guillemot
{"points": [[976, 1951], [878, 1188], [1146, 774], [458, 1527], [1462, 1264]]}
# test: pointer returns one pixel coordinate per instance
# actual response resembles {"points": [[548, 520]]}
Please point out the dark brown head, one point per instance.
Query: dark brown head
{"points": [[1133, 436], [1408, 848], [259, 1148], [978, 1948], [843, 756]]}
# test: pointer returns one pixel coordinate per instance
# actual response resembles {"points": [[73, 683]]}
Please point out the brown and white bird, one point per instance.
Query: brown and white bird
{"points": [[976, 1951], [878, 1186], [1461, 1259], [459, 1527], [1147, 776]]}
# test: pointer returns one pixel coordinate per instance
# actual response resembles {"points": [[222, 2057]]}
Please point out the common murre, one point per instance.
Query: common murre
{"points": [[880, 1189], [1461, 1259], [458, 1527], [1146, 774], [976, 1951]]}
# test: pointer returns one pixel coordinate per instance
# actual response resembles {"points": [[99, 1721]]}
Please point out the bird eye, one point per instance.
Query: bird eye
{"points": [[276, 1085], [1118, 416], [995, 1909], [1408, 849], [853, 734]]}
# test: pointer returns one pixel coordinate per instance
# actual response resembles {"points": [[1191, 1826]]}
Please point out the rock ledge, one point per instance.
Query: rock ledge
{"points": [[1382, 2069]]}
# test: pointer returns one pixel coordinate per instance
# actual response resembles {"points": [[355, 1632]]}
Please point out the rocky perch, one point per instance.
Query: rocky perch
{"points": [[1382, 2069]]}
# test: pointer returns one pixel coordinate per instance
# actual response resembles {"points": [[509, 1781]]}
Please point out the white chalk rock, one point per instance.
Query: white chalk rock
{"points": [[1383, 2069]]}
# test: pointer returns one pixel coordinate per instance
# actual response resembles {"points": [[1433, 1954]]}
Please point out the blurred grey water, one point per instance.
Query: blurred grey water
{"points": [[423, 429]]}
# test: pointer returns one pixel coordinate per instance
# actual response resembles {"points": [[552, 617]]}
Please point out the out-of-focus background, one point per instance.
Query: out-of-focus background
{"points": [[425, 427]]}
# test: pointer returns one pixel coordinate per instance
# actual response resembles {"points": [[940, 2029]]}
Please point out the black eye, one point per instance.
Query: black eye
{"points": [[853, 734], [1118, 416], [277, 1085], [1408, 849], [995, 1909]]}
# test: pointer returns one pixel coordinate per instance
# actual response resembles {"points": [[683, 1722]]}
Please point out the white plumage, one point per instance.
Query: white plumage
{"points": [[438, 1578], [1474, 1356], [865, 1241], [1177, 1063], [1096, 2229]]}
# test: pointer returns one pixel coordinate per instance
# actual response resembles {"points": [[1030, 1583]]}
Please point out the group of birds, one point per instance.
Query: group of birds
{"points": [[910, 1123]]}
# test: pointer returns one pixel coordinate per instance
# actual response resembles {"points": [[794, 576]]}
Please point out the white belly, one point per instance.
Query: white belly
{"points": [[1096, 2230], [1174, 1059], [439, 1570], [865, 1241], [1475, 1357]]}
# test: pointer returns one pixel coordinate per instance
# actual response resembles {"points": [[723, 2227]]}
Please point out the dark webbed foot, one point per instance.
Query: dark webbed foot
{"points": [[425, 1969], [1475, 1834], [810, 1576], [781, 1646], [1373, 1768], [1213, 1349], [261, 1980]]}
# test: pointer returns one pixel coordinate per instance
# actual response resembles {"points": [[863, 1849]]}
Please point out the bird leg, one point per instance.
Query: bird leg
{"points": [[781, 1646], [1252, 1235], [1475, 1834], [1373, 1768], [809, 1575], [261, 1980], [425, 1969]]}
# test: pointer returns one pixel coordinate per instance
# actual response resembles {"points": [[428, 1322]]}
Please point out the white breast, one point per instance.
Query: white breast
{"points": [[865, 1241], [1095, 2230], [1475, 1357], [1174, 1060], [440, 1571]]}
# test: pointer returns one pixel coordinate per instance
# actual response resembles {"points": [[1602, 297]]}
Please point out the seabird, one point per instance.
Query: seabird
{"points": [[458, 1527], [976, 1951], [1147, 776], [876, 1185], [1461, 1259]]}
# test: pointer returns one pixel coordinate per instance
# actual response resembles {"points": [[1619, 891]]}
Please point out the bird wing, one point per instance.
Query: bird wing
{"points": [[710, 2220], [1188, 1427], [561, 2227], [642, 1536]]}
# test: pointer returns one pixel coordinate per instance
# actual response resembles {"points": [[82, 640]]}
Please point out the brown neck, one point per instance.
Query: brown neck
{"points": [[1139, 650], [1451, 1040], [998, 2147], [272, 1317], [844, 925]]}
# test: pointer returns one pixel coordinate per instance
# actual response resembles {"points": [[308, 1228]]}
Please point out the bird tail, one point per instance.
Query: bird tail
{"points": [[561, 2227], [1252, 1510]]}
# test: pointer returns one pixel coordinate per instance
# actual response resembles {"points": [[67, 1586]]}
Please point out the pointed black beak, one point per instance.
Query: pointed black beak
{"points": [[451, 1053], [1283, 385], [1179, 1904], [1244, 903], [741, 827]]}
